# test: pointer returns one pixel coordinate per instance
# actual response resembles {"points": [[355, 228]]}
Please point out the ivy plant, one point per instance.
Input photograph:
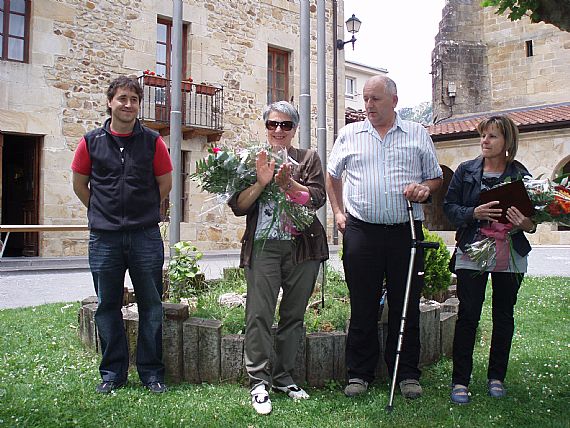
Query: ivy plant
{"points": [[184, 274]]}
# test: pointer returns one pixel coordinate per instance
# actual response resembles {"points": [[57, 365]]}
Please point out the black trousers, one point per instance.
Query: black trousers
{"points": [[372, 253], [471, 293]]}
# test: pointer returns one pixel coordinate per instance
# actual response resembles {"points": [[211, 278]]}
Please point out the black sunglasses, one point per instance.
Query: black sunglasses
{"points": [[273, 124]]}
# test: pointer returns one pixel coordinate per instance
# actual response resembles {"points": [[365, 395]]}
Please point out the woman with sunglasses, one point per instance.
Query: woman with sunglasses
{"points": [[275, 257]]}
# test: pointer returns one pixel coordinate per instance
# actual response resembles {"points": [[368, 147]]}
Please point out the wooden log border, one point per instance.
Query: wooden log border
{"points": [[195, 351]]}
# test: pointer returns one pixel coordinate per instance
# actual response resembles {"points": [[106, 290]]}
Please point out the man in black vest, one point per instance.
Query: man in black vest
{"points": [[121, 173]]}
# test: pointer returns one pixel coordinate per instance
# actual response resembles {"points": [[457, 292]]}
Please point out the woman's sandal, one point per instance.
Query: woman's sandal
{"points": [[496, 388], [460, 394]]}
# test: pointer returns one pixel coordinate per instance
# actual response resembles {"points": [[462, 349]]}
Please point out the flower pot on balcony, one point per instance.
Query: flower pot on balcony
{"points": [[157, 81], [205, 89], [186, 86]]}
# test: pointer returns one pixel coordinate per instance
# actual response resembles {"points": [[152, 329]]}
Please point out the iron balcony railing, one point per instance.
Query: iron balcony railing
{"points": [[202, 105]]}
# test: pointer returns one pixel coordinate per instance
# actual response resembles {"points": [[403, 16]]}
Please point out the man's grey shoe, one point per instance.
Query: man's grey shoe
{"points": [[355, 387], [410, 388]]}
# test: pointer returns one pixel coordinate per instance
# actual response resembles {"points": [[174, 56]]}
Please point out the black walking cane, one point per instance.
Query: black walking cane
{"points": [[415, 245]]}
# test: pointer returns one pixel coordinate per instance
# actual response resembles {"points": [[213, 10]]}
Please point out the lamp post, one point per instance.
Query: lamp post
{"points": [[353, 27]]}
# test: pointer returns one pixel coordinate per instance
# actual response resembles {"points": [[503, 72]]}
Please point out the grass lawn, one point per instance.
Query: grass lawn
{"points": [[48, 380]]}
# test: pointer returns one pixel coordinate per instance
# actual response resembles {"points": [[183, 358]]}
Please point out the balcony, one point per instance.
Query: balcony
{"points": [[202, 107]]}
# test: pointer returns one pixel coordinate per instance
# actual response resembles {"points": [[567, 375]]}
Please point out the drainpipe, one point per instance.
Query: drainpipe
{"points": [[305, 95], [335, 92], [321, 97], [176, 124], [322, 118]]}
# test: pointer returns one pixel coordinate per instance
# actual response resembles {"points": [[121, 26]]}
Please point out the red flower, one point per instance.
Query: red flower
{"points": [[216, 150]]}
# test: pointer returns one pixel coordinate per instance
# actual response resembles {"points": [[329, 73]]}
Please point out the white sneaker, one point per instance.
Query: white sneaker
{"points": [[292, 391], [260, 400]]}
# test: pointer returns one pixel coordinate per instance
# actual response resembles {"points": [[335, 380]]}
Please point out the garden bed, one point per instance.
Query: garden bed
{"points": [[199, 347]]}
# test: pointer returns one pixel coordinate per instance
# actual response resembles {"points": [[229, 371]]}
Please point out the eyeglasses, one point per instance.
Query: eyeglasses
{"points": [[273, 124]]}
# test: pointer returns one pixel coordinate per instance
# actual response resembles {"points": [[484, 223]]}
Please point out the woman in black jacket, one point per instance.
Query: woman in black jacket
{"points": [[474, 221]]}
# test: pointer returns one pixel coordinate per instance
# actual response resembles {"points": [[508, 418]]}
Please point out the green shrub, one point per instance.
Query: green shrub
{"points": [[183, 274], [437, 274]]}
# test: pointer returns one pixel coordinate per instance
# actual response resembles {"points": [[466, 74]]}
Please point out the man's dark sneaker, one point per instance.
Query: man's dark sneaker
{"points": [[156, 386], [107, 386]]}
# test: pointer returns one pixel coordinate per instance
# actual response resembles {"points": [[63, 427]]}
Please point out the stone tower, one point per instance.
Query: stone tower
{"points": [[490, 63], [460, 79]]}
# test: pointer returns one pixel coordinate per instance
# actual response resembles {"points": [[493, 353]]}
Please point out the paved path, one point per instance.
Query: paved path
{"points": [[31, 282]]}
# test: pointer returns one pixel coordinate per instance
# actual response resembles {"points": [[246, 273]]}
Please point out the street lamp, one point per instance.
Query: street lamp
{"points": [[352, 26]]}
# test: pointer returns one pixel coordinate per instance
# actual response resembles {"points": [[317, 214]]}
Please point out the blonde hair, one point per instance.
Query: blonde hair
{"points": [[509, 130]]}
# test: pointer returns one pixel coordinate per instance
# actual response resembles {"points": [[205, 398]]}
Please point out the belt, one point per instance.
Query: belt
{"points": [[388, 226]]}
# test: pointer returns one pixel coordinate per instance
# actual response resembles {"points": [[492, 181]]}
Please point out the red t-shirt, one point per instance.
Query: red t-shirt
{"points": [[162, 164]]}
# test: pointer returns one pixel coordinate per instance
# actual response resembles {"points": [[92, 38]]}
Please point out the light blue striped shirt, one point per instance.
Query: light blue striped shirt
{"points": [[377, 171]]}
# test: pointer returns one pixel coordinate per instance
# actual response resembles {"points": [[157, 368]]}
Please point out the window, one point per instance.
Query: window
{"points": [[528, 48], [350, 87], [15, 30], [277, 75], [164, 48], [164, 64]]}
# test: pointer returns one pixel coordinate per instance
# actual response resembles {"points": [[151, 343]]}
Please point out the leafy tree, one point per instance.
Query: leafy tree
{"points": [[555, 12]]}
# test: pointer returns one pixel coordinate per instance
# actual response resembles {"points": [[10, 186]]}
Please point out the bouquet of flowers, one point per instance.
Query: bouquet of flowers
{"points": [[551, 202], [226, 171], [551, 199]]}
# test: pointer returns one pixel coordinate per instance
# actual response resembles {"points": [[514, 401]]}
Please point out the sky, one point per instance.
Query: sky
{"points": [[397, 35]]}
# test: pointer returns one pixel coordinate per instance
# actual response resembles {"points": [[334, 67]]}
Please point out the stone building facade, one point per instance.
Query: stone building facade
{"points": [[76, 47], [484, 64]]}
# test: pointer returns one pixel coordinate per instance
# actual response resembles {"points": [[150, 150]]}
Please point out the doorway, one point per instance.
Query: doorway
{"points": [[20, 190], [435, 218]]}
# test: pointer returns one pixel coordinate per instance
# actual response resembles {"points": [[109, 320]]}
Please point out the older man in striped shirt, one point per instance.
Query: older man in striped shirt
{"points": [[383, 161]]}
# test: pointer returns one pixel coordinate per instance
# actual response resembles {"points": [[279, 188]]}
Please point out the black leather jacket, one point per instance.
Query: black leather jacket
{"points": [[311, 244], [463, 196]]}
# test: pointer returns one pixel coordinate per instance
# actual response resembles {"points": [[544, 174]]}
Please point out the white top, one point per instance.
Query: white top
{"points": [[376, 171]]}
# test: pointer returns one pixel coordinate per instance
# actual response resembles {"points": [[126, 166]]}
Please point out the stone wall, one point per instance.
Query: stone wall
{"points": [[78, 46], [518, 80]]}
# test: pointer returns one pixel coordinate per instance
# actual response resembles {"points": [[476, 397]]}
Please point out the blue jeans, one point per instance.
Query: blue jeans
{"points": [[111, 253]]}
